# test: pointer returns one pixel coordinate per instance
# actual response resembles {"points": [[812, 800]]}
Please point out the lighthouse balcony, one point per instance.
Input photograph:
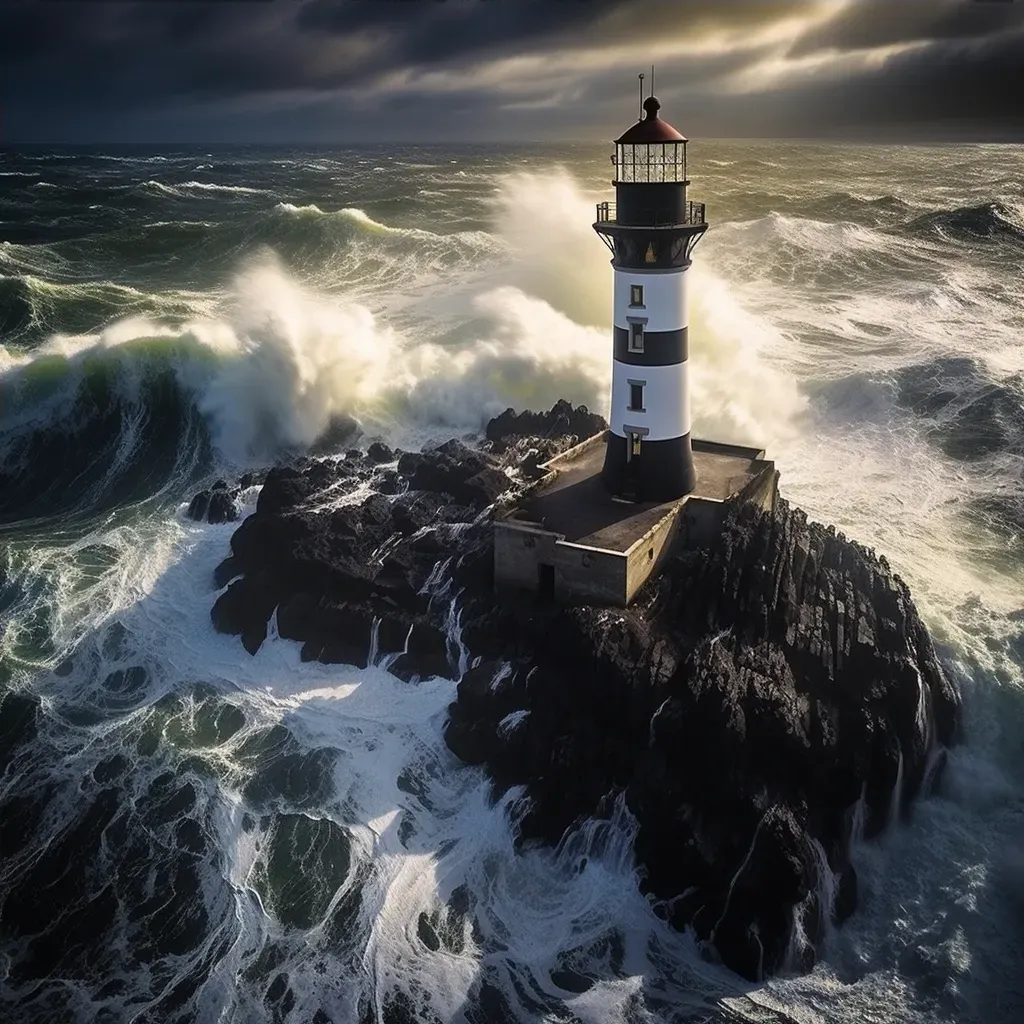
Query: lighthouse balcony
{"points": [[693, 215], [656, 238]]}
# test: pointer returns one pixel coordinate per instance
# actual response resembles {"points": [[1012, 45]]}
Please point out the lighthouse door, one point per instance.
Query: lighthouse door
{"points": [[634, 443]]}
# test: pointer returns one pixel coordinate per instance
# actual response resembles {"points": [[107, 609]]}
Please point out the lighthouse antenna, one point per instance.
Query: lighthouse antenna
{"points": [[652, 79], [640, 109]]}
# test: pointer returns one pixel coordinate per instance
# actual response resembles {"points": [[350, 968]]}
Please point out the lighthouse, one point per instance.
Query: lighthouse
{"points": [[603, 517], [651, 229]]}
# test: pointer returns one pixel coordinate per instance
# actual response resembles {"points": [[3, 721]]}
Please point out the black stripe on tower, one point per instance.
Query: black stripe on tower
{"points": [[661, 348], [648, 203], [662, 473]]}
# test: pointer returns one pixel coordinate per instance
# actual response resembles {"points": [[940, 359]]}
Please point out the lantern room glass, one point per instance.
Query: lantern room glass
{"points": [[654, 162]]}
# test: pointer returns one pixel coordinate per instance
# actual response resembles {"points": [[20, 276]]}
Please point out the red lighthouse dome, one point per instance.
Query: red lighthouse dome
{"points": [[652, 129]]}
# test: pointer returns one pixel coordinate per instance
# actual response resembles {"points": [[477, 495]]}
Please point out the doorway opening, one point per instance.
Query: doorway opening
{"points": [[546, 581]]}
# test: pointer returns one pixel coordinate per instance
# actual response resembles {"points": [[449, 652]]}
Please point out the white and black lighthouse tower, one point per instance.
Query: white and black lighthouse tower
{"points": [[651, 230], [608, 512]]}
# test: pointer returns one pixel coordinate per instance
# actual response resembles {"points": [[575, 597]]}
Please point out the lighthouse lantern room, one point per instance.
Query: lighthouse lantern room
{"points": [[651, 230]]}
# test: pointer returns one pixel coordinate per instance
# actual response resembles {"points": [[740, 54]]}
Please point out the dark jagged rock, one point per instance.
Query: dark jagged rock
{"points": [[559, 428], [426, 654], [759, 697], [198, 506], [228, 570], [216, 505], [746, 704], [341, 575], [390, 482], [341, 430], [222, 507], [469, 476], [245, 608], [251, 479], [378, 452]]}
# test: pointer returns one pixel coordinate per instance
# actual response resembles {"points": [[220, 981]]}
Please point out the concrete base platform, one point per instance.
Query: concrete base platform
{"points": [[569, 539]]}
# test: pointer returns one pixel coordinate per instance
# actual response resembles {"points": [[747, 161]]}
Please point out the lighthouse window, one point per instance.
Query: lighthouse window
{"points": [[636, 337], [636, 294], [636, 397]]}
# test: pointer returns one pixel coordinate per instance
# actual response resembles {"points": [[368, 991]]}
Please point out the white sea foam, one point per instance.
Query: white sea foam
{"points": [[350, 213], [289, 360], [184, 188]]}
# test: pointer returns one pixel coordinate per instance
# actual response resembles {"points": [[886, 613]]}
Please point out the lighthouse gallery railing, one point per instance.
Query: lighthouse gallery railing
{"points": [[693, 215]]}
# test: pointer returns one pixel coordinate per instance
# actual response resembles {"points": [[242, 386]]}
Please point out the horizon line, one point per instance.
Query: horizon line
{"points": [[589, 141]]}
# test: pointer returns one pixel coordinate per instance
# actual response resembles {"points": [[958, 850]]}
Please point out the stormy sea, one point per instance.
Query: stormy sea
{"points": [[188, 833]]}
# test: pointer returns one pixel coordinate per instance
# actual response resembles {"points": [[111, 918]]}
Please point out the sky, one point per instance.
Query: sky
{"points": [[347, 71]]}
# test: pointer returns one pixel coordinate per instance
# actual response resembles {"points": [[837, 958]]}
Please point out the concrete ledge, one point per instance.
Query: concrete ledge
{"points": [[573, 453], [737, 451], [569, 539]]}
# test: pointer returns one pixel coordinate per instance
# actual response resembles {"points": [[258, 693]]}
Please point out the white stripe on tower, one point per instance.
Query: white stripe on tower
{"points": [[666, 411], [665, 298], [666, 393]]}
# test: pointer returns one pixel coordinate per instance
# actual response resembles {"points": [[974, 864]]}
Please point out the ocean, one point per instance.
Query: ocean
{"points": [[188, 833]]}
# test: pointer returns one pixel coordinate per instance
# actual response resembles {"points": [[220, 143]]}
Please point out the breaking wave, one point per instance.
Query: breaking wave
{"points": [[987, 221], [273, 363], [188, 189]]}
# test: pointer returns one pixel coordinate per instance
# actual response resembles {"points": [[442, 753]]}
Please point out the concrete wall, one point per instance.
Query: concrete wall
{"points": [[581, 573], [570, 455], [650, 552], [518, 552], [763, 490], [740, 451], [590, 575], [701, 521], [598, 576], [702, 517]]}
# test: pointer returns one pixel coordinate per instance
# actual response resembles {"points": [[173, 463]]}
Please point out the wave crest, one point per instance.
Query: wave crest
{"points": [[360, 219], [271, 365], [992, 220], [186, 189]]}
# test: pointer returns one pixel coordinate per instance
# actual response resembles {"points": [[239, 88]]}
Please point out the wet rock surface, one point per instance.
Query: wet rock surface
{"points": [[559, 428], [761, 704], [217, 505], [351, 580]]}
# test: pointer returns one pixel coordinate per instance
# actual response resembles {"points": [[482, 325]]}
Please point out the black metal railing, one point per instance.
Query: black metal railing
{"points": [[693, 215]]}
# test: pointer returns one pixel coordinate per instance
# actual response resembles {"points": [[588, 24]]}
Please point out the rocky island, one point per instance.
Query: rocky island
{"points": [[764, 701]]}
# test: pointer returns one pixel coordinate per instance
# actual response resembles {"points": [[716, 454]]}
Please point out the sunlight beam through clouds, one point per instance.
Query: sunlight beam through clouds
{"points": [[338, 70]]}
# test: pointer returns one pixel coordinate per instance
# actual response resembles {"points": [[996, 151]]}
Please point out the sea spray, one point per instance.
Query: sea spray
{"points": [[545, 220], [277, 362]]}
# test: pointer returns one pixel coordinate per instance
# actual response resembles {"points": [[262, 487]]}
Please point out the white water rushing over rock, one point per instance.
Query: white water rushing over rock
{"points": [[303, 840]]}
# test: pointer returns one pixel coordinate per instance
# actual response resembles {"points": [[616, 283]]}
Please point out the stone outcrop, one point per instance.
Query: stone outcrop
{"points": [[345, 577], [759, 703], [762, 703], [550, 432], [216, 505]]}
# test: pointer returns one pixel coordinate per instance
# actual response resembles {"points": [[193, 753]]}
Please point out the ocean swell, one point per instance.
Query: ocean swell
{"points": [[991, 221]]}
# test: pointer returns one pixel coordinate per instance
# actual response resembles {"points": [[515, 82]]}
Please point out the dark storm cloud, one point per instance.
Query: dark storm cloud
{"points": [[947, 87], [434, 32], [429, 33], [870, 23], [330, 68], [409, 31]]}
